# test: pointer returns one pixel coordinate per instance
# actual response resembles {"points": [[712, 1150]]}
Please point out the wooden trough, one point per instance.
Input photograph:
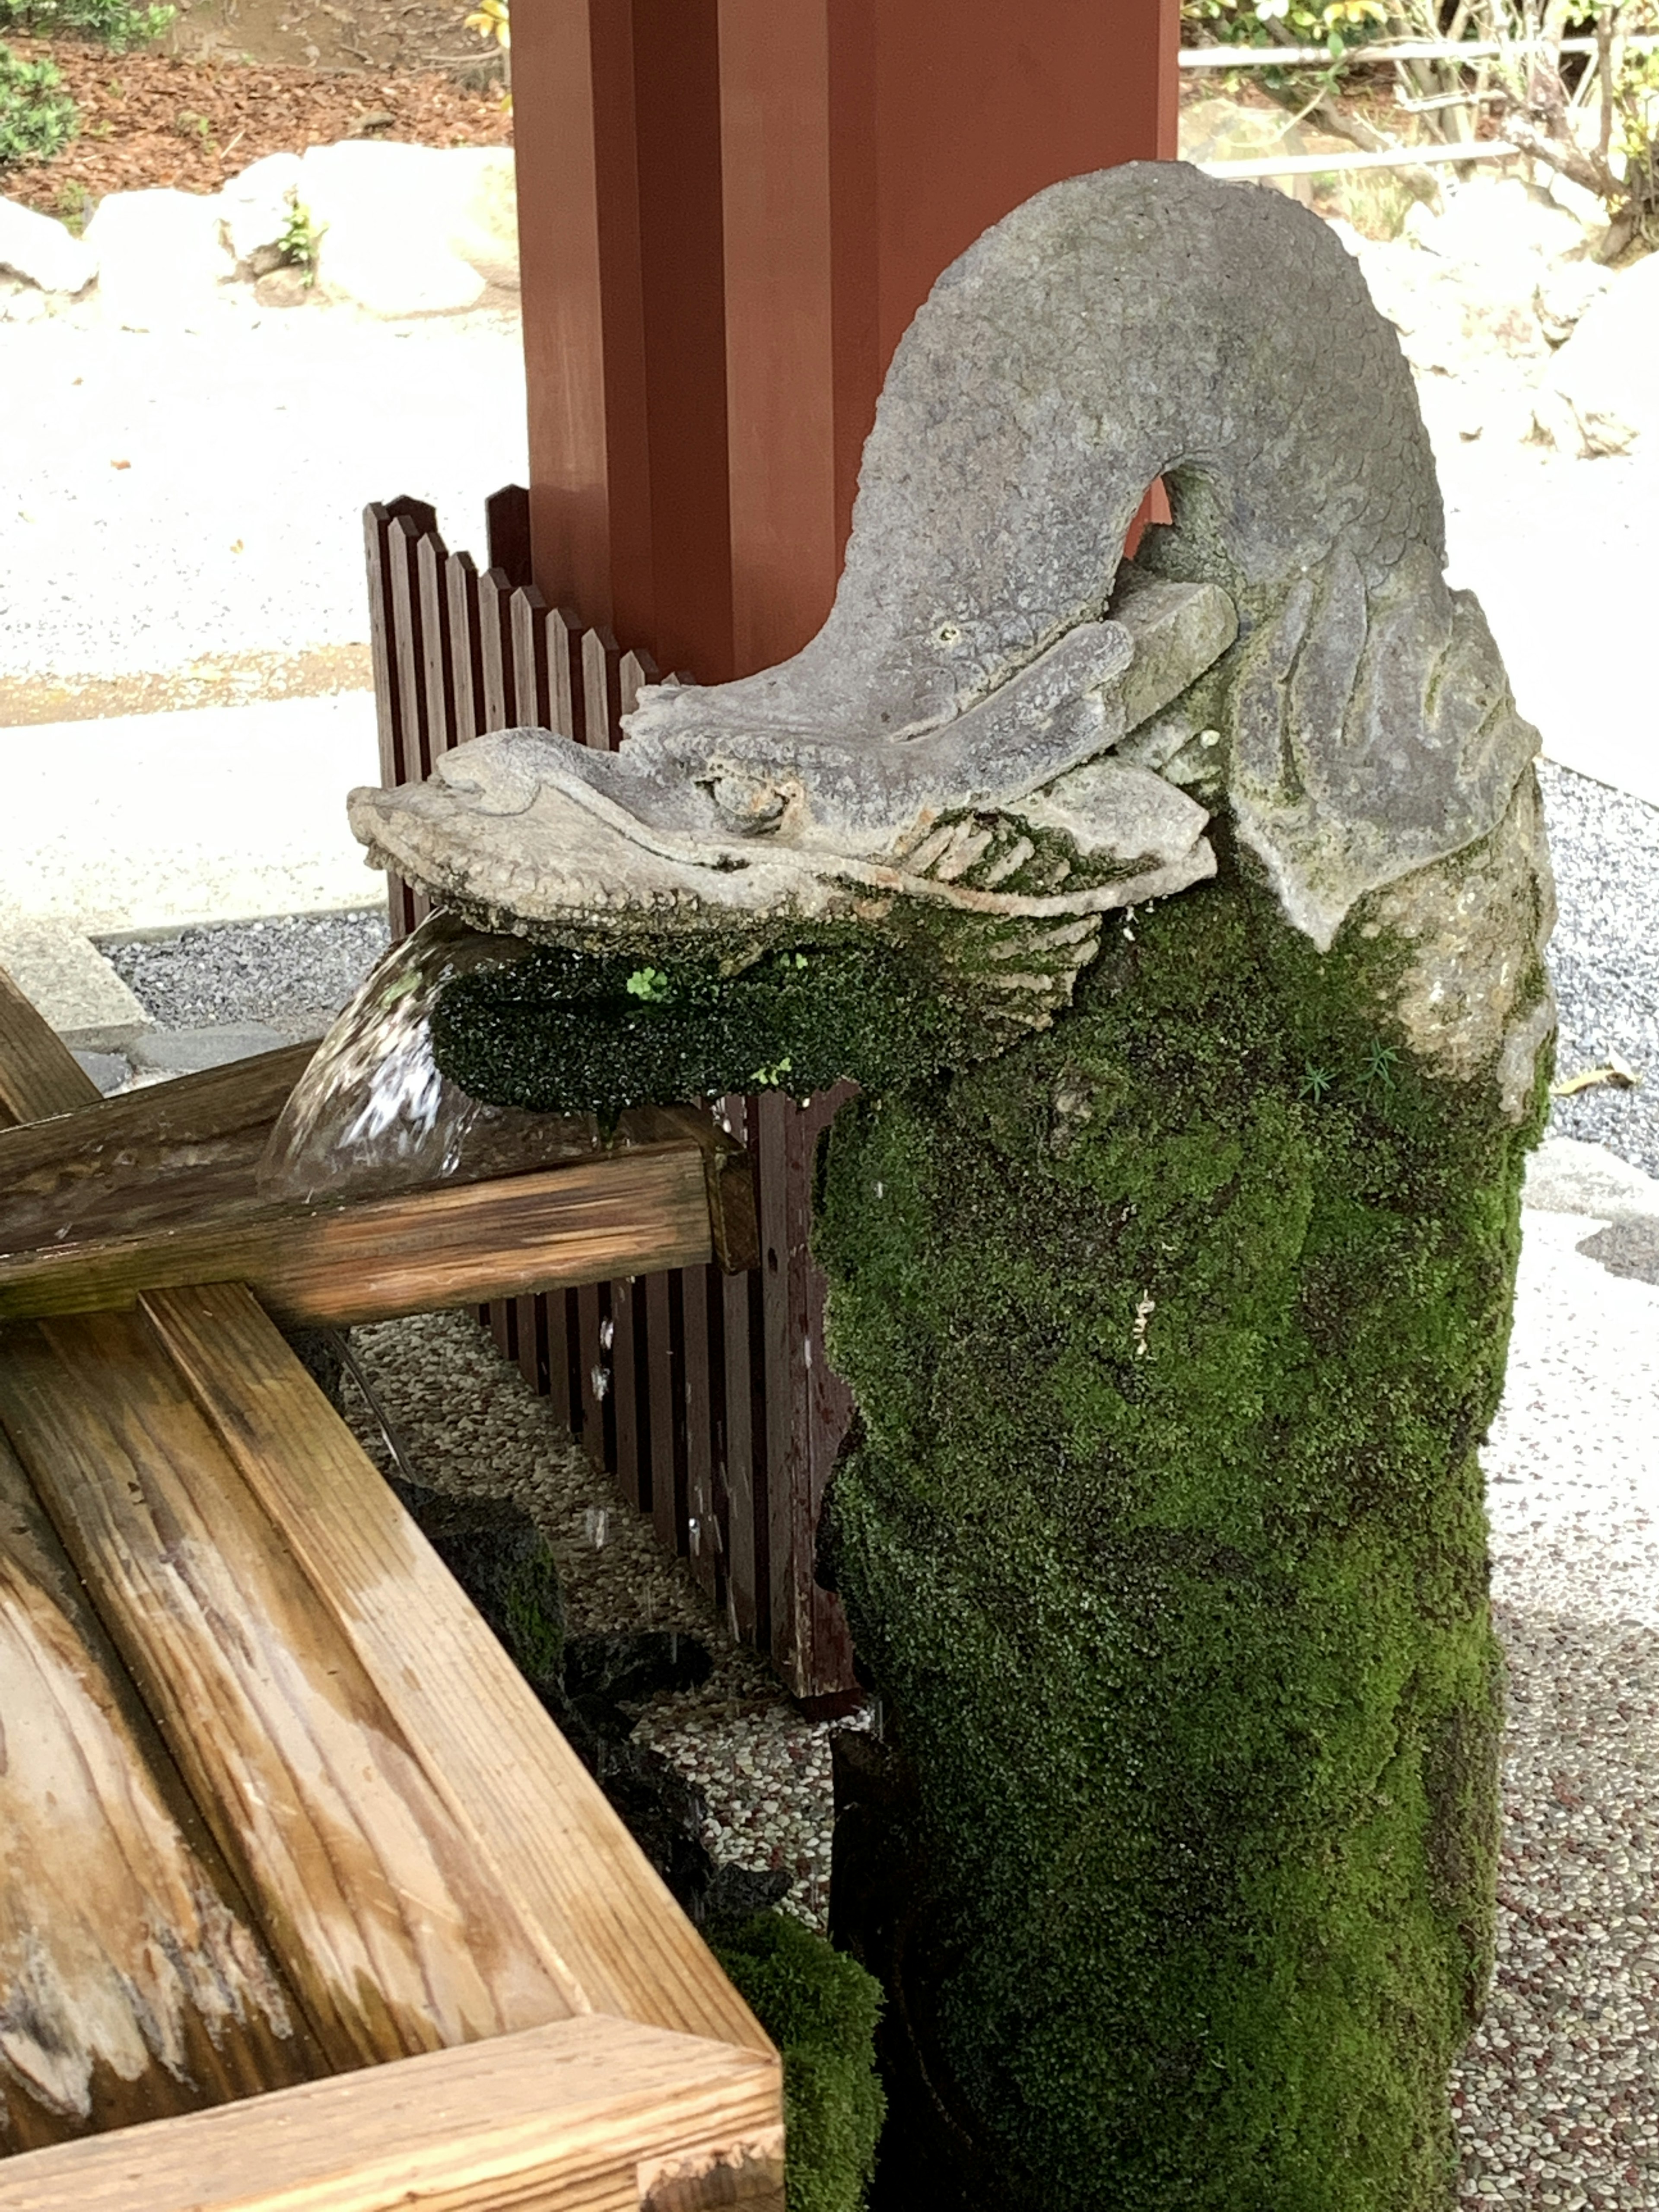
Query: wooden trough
{"points": [[304, 1900]]}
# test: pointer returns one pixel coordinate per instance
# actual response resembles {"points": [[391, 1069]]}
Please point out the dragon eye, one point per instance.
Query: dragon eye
{"points": [[750, 803]]}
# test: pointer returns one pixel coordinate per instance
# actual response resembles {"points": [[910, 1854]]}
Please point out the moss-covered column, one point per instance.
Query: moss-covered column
{"points": [[1174, 1332]]}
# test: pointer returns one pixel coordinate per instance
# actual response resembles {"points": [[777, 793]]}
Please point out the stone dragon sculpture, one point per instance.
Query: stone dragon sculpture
{"points": [[991, 668], [1173, 1288]]}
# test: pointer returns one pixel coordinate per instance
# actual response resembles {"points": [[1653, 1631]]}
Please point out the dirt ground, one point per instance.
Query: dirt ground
{"points": [[197, 109], [335, 34]]}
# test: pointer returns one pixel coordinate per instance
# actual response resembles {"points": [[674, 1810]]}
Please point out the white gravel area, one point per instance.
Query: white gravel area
{"points": [[168, 496], [1558, 2095]]}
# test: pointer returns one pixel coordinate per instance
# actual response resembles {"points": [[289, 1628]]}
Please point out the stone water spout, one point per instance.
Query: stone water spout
{"points": [[1171, 1250]]}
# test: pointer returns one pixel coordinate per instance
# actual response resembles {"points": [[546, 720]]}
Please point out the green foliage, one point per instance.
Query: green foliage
{"points": [[122, 24], [821, 2009], [300, 240], [566, 1032], [36, 119], [1338, 24], [1164, 1543]]}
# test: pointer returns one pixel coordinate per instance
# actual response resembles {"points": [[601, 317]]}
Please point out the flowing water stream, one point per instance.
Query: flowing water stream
{"points": [[374, 1111]]}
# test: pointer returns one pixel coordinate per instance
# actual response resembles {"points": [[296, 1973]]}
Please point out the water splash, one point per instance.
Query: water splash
{"points": [[374, 1111]]}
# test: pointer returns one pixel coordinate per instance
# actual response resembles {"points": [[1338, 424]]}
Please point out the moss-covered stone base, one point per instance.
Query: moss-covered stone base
{"points": [[1173, 1333], [820, 2009]]}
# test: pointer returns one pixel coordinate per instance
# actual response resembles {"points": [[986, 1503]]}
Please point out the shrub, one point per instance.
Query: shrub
{"points": [[118, 23], [36, 119]]}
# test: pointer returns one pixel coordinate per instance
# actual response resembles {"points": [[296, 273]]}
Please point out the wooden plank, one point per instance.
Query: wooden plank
{"points": [[321, 1799], [526, 614], [594, 2115], [496, 648], [377, 521], [91, 1137], [665, 1397], [627, 1416], [403, 537], [437, 669], [507, 533], [539, 1823], [466, 650], [39, 1075], [133, 1981], [412, 1252], [767, 1139], [564, 671], [601, 708], [700, 1416]]}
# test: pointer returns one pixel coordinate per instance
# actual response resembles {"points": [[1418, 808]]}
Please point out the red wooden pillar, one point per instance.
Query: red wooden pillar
{"points": [[729, 211]]}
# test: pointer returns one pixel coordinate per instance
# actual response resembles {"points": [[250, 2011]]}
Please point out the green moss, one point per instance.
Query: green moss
{"points": [[1164, 1541], [568, 1031], [820, 2009]]}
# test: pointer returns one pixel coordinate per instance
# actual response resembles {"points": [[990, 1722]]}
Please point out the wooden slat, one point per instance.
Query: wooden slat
{"points": [[627, 1416], [700, 1415], [133, 1982], [437, 668], [539, 1823], [496, 648], [377, 521], [409, 1253], [594, 2115], [368, 1888], [664, 1403], [564, 671], [507, 533], [527, 615], [39, 1074], [466, 650], [403, 537], [601, 690]]}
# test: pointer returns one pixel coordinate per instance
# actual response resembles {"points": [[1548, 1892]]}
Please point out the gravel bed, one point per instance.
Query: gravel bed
{"points": [[293, 973], [1557, 2097], [471, 1425], [172, 497], [1604, 959]]}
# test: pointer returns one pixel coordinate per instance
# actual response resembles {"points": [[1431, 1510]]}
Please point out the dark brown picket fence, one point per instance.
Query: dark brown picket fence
{"points": [[706, 1396]]}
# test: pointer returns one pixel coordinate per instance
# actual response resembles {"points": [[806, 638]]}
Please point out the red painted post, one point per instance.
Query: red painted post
{"points": [[729, 210]]}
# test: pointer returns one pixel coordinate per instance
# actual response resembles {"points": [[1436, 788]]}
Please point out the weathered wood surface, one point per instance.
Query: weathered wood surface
{"points": [[114, 1140], [396, 1938], [595, 2115], [408, 1253], [533, 1815], [39, 1073], [133, 1982]]}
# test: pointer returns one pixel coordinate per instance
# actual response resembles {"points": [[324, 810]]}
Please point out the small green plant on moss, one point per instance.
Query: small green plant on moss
{"points": [[122, 24], [1316, 1082], [648, 983], [300, 240], [820, 2008], [37, 120], [1380, 1069]]}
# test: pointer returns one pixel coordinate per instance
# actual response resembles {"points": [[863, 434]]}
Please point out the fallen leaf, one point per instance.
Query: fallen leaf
{"points": [[1616, 1069], [120, 465], [237, 547]]}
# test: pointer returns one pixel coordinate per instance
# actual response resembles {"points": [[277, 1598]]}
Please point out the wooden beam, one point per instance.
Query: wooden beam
{"points": [[88, 1139], [621, 1214], [594, 2115], [395, 1935], [133, 1980], [39, 1074], [531, 1813]]}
